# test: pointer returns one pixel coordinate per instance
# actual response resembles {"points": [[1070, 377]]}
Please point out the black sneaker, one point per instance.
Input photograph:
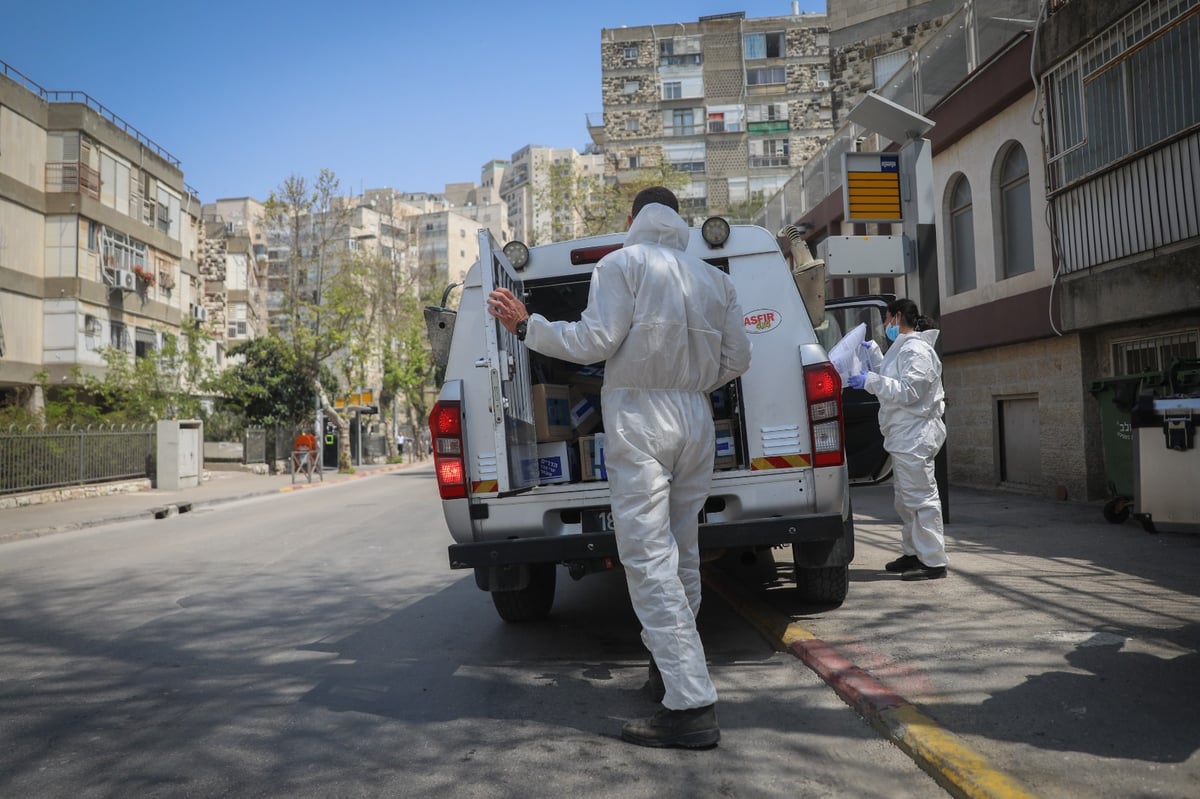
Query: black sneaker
{"points": [[903, 563], [695, 728], [923, 572], [654, 686]]}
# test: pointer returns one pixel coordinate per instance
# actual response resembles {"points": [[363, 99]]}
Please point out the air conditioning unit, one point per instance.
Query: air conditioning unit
{"points": [[822, 84], [126, 280], [199, 313]]}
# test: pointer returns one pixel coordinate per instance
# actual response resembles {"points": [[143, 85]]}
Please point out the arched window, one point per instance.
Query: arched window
{"points": [[961, 230], [1015, 224]]}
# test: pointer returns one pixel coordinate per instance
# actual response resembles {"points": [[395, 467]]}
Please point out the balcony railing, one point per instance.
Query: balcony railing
{"points": [[72, 177]]}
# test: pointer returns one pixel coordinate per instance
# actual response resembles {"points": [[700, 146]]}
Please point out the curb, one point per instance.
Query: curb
{"points": [[963, 772], [175, 508]]}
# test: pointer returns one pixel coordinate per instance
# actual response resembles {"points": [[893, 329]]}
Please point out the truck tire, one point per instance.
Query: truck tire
{"points": [[824, 585], [531, 603]]}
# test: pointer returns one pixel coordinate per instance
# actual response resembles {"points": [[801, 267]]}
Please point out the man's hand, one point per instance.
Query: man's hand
{"points": [[505, 306], [857, 381]]}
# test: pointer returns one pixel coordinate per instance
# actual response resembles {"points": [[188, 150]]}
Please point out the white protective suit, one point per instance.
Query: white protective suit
{"points": [[908, 383], [671, 332]]}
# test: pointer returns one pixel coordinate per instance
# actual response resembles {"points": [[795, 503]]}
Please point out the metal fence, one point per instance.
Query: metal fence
{"points": [[32, 459]]}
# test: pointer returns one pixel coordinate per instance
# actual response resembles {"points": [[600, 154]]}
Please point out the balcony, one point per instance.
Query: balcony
{"points": [[72, 177]]}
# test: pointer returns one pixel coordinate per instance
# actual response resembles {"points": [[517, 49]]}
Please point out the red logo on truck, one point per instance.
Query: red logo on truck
{"points": [[762, 320]]}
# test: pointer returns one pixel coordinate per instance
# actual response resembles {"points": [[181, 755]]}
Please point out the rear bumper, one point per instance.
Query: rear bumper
{"points": [[588, 546]]}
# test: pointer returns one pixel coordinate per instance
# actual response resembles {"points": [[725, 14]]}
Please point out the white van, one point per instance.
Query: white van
{"points": [[780, 475]]}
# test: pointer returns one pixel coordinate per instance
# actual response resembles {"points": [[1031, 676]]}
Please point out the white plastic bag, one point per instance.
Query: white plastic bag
{"points": [[846, 355]]}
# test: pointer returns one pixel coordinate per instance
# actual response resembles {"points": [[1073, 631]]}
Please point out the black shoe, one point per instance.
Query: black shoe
{"points": [[654, 686], [695, 728], [903, 563], [923, 572]]}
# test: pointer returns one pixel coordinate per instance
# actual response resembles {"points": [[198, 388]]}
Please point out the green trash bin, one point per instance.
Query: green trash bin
{"points": [[1117, 396]]}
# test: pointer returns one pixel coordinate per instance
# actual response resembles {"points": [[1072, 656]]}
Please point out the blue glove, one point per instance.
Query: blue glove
{"points": [[857, 381]]}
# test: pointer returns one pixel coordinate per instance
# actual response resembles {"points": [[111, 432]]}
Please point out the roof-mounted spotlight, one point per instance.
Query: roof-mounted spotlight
{"points": [[715, 231], [517, 254]]}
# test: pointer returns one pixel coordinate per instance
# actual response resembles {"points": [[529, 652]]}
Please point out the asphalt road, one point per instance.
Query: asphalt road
{"points": [[316, 644]]}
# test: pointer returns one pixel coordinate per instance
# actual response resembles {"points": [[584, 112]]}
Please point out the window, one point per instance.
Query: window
{"points": [[632, 124], [672, 90], [686, 156], [630, 53], [1015, 224], [716, 123], [634, 162], [767, 118], [679, 51], [962, 236], [1154, 353], [765, 76], [726, 118], [118, 337], [632, 86], [764, 45], [1121, 92], [823, 78], [93, 237], [92, 329], [681, 121], [886, 66], [769, 152], [145, 342], [236, 314]]}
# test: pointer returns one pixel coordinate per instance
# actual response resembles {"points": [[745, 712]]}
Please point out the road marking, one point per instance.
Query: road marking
{"points": [[963, 772]]}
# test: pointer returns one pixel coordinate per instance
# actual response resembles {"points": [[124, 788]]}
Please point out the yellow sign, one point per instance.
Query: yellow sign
{"points": [[361, 399], [872, 187]]}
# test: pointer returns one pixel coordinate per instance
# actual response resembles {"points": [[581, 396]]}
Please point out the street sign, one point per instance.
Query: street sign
{"points": [[357, 400], [871, 187]]}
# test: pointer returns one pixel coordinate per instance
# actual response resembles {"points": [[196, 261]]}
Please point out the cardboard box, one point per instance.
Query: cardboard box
{"points": [[557, 463], [591, 458], [552, 412], [726, 451], [585, 411]]}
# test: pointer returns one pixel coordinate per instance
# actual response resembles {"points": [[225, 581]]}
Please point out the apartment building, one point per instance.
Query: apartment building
{"points": [[1122, 131], [233, 267], [1066, 239], [533, 186], [99, 239], [737, 104]]}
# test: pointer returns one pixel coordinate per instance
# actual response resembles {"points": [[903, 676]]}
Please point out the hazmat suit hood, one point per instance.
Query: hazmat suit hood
{"points": [[658, 224]]}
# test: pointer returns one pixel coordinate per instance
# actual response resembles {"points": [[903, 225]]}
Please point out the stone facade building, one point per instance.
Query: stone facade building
{"points": [[737, 104]]}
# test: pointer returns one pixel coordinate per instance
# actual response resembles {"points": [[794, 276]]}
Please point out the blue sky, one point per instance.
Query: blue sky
{"points": [[383, 93]]}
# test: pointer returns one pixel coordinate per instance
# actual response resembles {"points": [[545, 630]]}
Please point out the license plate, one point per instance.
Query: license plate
{"points": [[598, 521]]}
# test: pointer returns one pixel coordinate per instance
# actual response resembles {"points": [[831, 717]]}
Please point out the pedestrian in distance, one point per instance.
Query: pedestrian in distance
{"points": [[671, 331], [908, 383], [400, 446]]}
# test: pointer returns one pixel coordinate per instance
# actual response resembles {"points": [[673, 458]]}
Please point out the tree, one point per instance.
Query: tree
{"points": [[589, 205], [162, 384], [309, 223], [267, 382]]}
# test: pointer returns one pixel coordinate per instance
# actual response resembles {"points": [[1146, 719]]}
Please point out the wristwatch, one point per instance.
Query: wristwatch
{"points": [[522, 328]]}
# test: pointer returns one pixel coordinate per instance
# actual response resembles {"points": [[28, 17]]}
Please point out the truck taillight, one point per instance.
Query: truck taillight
{"points": [[445, 426], [824, 389]]}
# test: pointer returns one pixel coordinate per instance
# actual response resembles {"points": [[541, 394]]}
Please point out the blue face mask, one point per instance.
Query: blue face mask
{"points": [[891, 331]]}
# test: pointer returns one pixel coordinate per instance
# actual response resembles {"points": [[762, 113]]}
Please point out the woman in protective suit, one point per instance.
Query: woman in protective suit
{"points": [[908, 382]]}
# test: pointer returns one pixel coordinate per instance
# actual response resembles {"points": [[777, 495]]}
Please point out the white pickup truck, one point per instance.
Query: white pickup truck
{"points": [[518, 508]]}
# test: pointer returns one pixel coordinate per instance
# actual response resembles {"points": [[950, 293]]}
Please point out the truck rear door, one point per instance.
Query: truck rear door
{"points": [[511, 400]]}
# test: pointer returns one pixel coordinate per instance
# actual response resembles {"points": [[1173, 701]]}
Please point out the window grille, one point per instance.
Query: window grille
{"points": [[1153, 353]]}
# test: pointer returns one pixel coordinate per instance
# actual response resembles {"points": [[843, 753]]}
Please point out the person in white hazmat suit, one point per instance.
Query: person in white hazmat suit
{"points": [[908, 382], [671, 331]]}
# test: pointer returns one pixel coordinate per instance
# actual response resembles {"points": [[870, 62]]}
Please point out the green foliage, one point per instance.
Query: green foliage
{"points": [[267, 383], [589, 205]]}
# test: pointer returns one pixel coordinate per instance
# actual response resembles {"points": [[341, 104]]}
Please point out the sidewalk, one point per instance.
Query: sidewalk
{"points": [[140, 502]]}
